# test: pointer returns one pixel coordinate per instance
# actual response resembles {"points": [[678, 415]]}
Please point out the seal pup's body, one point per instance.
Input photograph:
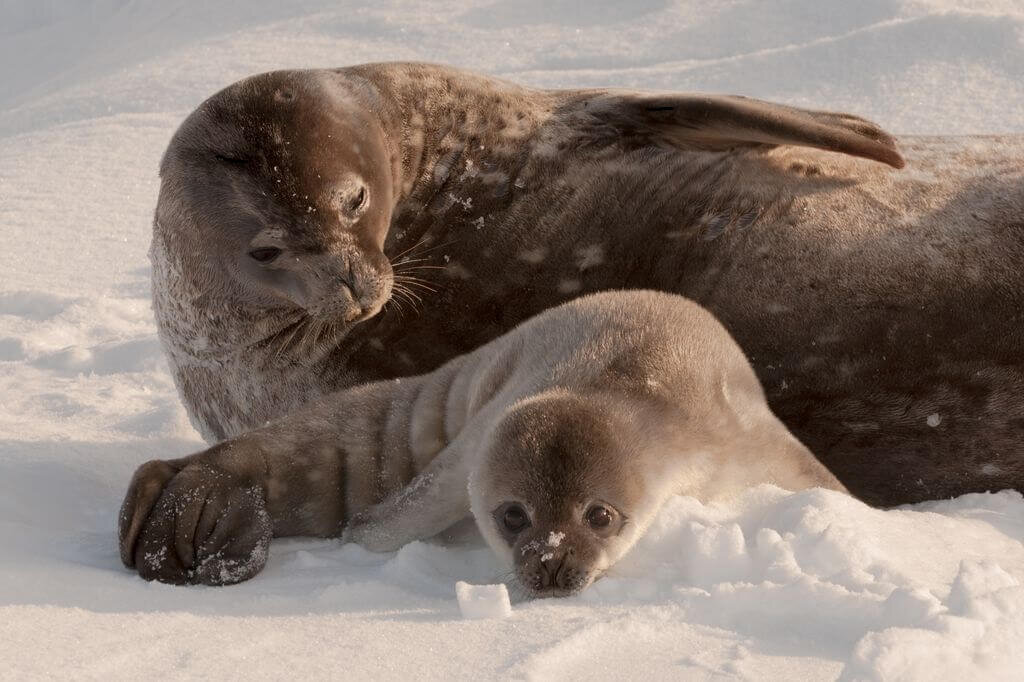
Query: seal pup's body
{"points": [[882, 310], [576, 425]]}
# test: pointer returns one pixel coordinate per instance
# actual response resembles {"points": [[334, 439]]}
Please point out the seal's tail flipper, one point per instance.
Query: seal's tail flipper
{"points": [[720, 122]]}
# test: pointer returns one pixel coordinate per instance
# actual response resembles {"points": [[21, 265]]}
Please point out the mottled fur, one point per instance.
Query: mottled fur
{"points": [[620, 398], [881, 310]]}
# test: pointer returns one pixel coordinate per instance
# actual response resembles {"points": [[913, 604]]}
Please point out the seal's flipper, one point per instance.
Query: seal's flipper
{"points": [[721, 122], [436, 499], [145, 489]]}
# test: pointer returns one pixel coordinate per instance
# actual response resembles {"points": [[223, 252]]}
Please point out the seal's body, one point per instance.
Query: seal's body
{"points": [[881, 310], [563, 438]]}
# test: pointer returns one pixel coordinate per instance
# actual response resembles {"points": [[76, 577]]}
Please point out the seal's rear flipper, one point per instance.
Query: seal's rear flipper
{"points": [[721, 122]]}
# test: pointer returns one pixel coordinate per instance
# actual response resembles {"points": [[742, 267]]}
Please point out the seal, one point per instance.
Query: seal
{"points": [[320, 229], [562, 438]]}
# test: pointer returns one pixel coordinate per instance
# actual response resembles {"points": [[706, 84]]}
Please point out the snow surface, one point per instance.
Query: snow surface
{"points": [[773, 585]]}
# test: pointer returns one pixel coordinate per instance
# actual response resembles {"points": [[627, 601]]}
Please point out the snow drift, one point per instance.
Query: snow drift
{"points": [[774, 585]]}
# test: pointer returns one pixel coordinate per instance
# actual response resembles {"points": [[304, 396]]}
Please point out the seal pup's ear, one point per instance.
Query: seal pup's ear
{"points": [[721, 122]]}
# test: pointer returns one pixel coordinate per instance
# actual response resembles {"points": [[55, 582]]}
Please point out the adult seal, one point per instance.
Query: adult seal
{"points": [[320, 229], [562, 438]]}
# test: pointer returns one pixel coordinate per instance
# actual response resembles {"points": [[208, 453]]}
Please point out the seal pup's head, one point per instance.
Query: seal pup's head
{"points": [[563, 490], [278, 192]]}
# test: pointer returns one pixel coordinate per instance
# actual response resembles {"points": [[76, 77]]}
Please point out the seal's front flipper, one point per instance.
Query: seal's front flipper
{"points": [[436, 499], [464, 532], [189, 521], [722, 122]]}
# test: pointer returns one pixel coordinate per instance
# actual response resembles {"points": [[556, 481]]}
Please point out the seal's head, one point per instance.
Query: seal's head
{"points": [[279, 189], [562, 493]]}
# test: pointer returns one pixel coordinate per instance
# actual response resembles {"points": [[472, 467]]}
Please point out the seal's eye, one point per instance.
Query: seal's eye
{"points": [[357, 201], [264, 254], [599, 517], [514, 518], [350, 198]]}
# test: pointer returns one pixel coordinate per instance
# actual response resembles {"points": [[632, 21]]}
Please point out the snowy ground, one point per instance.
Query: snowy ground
{"points": [[775, 585]]}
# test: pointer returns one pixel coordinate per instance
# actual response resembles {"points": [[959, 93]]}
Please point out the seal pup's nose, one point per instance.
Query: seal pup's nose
{"points": [[551, 571]]}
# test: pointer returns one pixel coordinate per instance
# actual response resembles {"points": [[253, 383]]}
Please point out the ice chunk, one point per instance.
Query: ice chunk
{"points": [[483, 601]]}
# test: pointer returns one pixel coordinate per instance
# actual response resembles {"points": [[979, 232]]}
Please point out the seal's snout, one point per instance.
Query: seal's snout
{"points": [[351, 285], [549, 568], [557, 574], [337, 298], [373, 294], [370, 289]]}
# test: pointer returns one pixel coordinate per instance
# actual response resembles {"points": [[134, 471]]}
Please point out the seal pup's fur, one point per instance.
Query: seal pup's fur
{"points": [[562, 437]]}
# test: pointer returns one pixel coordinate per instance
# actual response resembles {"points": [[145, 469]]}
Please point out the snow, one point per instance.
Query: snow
{"points": [[772, 585], [483, 601]]}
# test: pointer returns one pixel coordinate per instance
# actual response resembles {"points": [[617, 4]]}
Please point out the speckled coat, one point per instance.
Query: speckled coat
{"points": [[880, 308]]}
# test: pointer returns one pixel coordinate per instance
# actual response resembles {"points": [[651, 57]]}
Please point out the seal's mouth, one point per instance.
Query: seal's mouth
{"points": [[553, 593]]}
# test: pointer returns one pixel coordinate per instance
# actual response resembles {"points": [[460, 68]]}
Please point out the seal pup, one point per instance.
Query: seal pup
{"points": [[881, 310], [562, 438]]}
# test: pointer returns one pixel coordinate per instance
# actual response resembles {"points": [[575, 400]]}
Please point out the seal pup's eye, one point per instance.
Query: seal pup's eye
{"points": [[512, 518], [599, 517], [265, 254], [515, 519]]}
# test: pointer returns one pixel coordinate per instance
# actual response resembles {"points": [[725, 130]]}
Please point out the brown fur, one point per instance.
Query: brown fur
{"points": [[881, 310]]}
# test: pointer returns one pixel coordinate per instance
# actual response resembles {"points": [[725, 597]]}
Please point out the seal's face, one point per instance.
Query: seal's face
{"points": [[288, 179], [557, 555], [558, 494]]}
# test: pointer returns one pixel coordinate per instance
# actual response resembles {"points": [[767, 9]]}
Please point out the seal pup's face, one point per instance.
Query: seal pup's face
{"points": [[287, 179], [560, 493]]}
